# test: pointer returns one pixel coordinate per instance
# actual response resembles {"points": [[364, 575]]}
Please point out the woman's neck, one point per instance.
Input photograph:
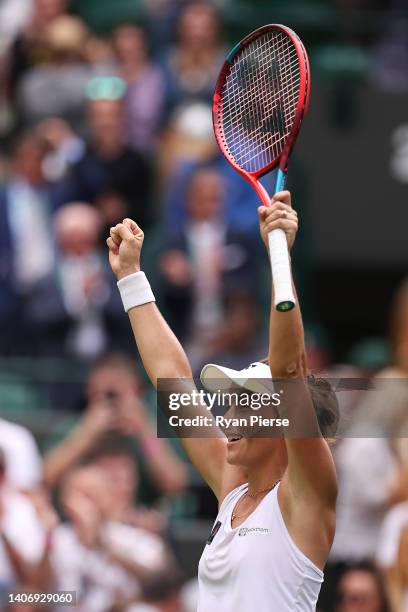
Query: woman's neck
{"points": [[264, 477]]}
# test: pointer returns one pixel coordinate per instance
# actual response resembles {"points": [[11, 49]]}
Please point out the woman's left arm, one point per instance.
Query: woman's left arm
{"points": [[311, 471]]}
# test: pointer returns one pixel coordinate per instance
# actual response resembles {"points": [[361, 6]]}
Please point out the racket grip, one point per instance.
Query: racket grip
{"points": [[281, 273]]}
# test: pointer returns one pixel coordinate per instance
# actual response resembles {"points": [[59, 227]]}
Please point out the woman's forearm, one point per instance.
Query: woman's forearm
{"points": [[286, 335], [161, 352], [286, 342]]}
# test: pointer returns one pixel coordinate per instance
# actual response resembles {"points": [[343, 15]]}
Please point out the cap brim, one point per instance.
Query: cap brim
{"points": [[219, 378]]}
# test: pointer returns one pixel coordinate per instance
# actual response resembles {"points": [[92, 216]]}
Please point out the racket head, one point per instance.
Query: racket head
{"points": [[260, 100]]}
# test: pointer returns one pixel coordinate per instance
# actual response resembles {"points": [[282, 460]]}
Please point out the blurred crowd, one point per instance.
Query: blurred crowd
{"points": [[105, 128], [94, 128]]}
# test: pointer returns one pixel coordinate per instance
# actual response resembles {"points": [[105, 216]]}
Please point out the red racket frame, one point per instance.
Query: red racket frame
{"points": [[303, 102]]}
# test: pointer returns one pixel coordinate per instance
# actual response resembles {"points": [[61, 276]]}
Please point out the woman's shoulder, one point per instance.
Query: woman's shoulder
{"points": [[232, 496]]}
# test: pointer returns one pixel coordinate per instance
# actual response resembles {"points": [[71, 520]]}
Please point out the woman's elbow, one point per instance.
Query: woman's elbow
{"points": [[293, 366]]}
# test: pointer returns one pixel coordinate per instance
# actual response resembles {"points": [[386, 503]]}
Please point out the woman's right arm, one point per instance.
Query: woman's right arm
{"points": [[162, 354]]}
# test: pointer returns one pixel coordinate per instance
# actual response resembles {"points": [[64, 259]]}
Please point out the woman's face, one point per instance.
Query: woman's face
{"points": [[250, 450]]}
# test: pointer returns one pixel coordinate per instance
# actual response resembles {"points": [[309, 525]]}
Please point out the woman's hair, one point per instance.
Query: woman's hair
{"points": [[325, 403]]}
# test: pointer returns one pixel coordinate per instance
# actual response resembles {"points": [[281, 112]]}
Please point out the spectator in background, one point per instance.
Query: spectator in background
{"points": [[390, 68], [144, 94], [392, 549], [29, 48], [361, 507], [361, 590], [187, 144], [187, 139], [399, 332], [113, 207], [109, 165], [120, 467], [103, 560], [22, 536], [392, 552], [161, 17], [191, 66], [238, 339], [74, 309], [65, 74], [202, 257], [22, 460], [14, 15], [27, 202], [99, 54], [116, 412], [64, 147], [161, 593]]}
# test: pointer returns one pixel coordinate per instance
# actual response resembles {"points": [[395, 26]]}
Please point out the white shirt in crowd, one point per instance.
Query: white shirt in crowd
{"points": [[366, 469], [391, 530], [22, 458], [23, 530], [14, 15], [97, 580], [142, 607], [394, 524]]}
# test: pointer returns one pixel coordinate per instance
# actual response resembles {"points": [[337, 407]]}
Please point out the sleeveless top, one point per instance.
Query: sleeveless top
{"points": [[255, 566]]}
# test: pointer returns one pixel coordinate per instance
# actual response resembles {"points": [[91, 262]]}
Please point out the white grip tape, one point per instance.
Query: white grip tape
{"points": [[135, 290], [280, 263]]}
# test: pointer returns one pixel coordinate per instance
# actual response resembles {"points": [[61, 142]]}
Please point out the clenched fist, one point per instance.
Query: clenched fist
{"points": [[125, 245], [279, 215]]}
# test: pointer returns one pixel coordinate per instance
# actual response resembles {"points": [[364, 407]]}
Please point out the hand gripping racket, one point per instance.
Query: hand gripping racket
{"points": [[259, 103]]}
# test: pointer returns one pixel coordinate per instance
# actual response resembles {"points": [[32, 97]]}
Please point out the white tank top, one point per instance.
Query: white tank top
{"points": [[255, 566]]}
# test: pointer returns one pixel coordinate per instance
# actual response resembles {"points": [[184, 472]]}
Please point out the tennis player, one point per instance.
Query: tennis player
{"points": [[276, 495]]}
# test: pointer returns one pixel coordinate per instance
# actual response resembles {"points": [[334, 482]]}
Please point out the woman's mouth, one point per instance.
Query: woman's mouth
{"points": [[233, 438]]}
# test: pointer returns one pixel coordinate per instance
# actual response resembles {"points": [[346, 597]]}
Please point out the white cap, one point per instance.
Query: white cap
{"points": [[255, 378]]}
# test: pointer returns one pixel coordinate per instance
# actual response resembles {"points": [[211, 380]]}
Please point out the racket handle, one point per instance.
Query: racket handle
{"points": [[281, 273]]}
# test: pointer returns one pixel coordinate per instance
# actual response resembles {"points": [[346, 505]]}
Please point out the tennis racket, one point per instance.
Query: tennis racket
{"points": [[260, 100]]}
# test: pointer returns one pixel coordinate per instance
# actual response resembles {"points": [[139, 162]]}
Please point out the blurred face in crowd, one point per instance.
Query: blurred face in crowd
{"points": [[27, 160], [111, 381], [105, 120], [121, 470], [77, 228], [240, 321], [50, 9], [198, 26], [86, 494], [205, 196], [359, 592], [130, 44]]}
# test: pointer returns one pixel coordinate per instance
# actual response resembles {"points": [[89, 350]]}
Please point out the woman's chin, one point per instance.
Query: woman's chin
{"points": [[233, 456]]}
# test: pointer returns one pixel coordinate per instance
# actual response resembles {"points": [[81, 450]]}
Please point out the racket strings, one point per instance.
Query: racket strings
{"points": [[259, 100], [269, 119]]}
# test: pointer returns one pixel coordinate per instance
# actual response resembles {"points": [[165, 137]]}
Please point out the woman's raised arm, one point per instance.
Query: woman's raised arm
{"points": [[162, 354]]}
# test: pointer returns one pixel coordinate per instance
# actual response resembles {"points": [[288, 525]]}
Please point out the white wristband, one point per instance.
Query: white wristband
{"points": [[135, 290]]}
